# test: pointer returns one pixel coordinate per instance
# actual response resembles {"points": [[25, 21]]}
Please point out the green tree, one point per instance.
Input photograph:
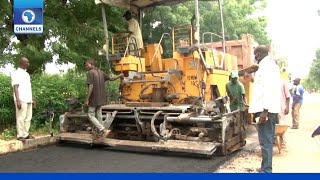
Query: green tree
{"points": [[238, 19], [73, 30], [283, 62], [313, 81]]}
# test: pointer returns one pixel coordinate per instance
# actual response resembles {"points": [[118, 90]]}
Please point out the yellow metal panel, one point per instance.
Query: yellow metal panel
{"points": [[151, 51], [130, 63], [170, 64], [219, 78], [126, 67]]}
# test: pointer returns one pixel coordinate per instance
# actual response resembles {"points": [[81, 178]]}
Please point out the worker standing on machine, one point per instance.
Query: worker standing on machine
{"points": [[134, 31]]}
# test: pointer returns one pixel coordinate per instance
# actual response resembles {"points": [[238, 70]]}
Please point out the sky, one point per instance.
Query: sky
{"points": [[294, 27]]}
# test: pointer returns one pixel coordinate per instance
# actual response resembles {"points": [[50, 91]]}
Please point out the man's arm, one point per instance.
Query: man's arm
{"points": [[227, 90], [286, 111], [90, 89], [244, 99], [287, 95], [90, 86], [249, 76], [16, 93], [15, 83], [115, 77], [243, 93], [229, 94]]}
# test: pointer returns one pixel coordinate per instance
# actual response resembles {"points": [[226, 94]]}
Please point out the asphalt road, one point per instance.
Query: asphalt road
{"points": [[84, 159]]}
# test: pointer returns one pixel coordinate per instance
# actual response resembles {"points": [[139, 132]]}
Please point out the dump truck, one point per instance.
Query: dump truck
{"points": [[175, 104], [243, 49]]}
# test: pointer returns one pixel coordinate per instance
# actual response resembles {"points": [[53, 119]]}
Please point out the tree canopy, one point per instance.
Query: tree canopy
{"points": [[73, 30], [313, 82]]}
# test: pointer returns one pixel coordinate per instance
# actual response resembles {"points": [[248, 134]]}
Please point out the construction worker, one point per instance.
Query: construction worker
{"points": [[236, 93], [297, 96], [96, 96], [134, 31]]}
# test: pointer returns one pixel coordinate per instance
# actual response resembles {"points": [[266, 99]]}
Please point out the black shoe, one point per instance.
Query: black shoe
{"points": [[21, 139], [30, 137]]}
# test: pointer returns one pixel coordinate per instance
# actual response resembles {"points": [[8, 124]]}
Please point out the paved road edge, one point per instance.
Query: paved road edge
{"points": [[16, 145]]}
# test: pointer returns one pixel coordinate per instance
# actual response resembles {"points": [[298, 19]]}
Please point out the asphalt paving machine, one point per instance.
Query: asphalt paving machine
{"points": [[175, 104]]}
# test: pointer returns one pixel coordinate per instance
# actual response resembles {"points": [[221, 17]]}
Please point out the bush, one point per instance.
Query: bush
{"points": [[7, 109], [52, 91], [8, 134], [48, 90]]}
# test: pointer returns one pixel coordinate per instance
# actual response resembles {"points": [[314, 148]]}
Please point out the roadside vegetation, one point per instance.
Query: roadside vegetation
{"points": [[49, 91], [312, 83], [74, 32]]}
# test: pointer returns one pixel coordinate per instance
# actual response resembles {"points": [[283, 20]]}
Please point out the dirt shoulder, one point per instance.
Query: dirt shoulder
{"points": [[302, 153]]}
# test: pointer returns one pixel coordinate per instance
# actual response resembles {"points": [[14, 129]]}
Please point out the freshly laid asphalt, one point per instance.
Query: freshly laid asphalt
{"points": [[71, 158], [82, 158]]}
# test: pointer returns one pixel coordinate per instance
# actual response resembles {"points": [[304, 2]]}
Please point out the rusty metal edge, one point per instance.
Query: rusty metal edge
{"points": [[155, 146]]}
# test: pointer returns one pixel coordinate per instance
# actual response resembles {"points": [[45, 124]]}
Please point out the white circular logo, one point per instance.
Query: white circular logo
{"points": [[28, 16]]}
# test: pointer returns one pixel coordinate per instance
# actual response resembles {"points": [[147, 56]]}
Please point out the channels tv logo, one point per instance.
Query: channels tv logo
{"points": [[28, 16]]}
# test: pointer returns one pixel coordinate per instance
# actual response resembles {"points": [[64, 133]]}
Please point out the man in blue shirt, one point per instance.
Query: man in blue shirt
{"points": [[297, 102]]}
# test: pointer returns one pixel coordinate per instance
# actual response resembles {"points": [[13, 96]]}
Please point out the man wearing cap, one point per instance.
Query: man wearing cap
{"points": [[266, 103], [236, 93], [134, 30], [297, 96]]}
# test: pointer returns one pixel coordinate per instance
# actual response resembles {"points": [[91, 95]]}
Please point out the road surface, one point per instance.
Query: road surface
{"points": [[62, 158]]}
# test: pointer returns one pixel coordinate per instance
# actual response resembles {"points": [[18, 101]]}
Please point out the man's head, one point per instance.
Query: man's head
{"points": [[90, 64], [261, 52], [296, 81], [234, 77], [24, 63], [127, 15]]}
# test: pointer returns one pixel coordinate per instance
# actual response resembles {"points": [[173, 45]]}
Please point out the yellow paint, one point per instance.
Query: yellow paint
{"points": [[153, 62], [285, 75], [188, 83], [130, 63]]}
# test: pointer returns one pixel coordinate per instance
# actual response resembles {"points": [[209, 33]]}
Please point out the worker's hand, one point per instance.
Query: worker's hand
{"points": [[121, 75], [34, 104], [234, 100], [263, 117], [19, 104], [286, 111], [248, 76]]}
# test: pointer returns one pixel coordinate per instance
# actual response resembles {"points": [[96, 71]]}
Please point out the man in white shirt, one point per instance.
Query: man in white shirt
{"points": [[265, 103], [22, 94], [135, 32]]}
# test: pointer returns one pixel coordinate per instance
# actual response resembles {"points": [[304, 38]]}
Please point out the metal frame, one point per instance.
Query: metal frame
{"points": [[133, 3]]}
